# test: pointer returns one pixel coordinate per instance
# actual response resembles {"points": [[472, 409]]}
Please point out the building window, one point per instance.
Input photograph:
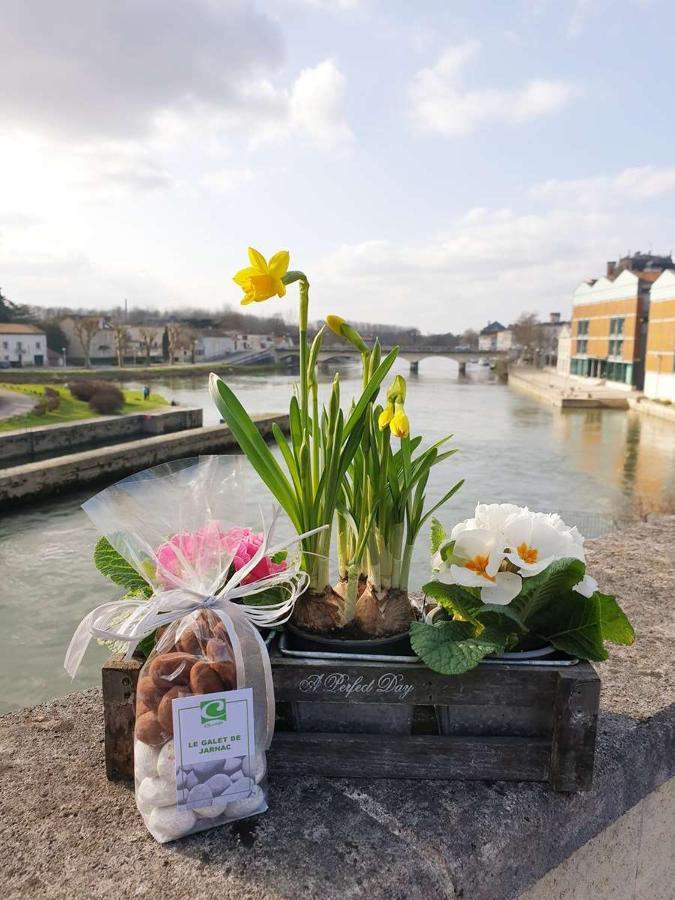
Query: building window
{"points": [[616, 326], [582, 346], [582, 326], [5, 345], [37, 345]]}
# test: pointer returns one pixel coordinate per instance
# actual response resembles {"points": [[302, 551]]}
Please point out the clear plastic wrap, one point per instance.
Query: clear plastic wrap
{"points": [[213, 579]]}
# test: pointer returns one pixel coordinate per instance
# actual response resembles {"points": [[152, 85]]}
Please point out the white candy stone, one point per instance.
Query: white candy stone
{"points": [[259, 767], [216, 809], [235, 776], [231, 765], [240, 788], [202, 794], [218, 784], [191, 780], [145, 760], [249, 806], [166, 763], [169, 823], [205, 770], [155, 792]]}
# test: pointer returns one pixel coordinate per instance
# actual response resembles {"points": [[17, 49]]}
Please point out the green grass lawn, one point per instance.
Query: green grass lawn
{"points": [[70, 409]]}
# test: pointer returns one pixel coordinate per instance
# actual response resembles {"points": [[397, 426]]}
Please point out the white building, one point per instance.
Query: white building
{"points": [[22, 345], [489, 337], [564, 350], [213, 346]]}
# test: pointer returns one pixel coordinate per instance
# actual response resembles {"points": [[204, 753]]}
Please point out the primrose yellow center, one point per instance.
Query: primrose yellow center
{"points": [[527, 554], [479, 565]]}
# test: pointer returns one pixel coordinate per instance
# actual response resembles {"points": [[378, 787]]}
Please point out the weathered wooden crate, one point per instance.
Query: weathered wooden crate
{"points": [[383, 720]]}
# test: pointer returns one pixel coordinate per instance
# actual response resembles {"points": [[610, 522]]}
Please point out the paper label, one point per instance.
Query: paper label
{"points": [[214, 740]]}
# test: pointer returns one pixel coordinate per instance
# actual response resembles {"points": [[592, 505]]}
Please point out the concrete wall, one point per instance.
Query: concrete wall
{"points": [[632, 859], [23, 444], [53, 476]]}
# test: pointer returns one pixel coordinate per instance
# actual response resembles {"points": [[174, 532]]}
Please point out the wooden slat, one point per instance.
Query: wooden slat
{"points": [[416, 756], [119, 678], [408, 683], [575, 719]]}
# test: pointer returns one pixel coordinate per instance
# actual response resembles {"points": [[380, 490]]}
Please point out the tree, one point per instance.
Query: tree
{"points": [[178, 339], [85, 328], [148, 335], [470, 339], [56, 337], [13, 312], [121, 333], [165, 345], [527, 332]]}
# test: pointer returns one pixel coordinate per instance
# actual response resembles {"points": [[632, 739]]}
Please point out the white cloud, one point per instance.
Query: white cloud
{"points": [[227, 180], [637, 183], [494, 263], [317, 105], [442, 105]]}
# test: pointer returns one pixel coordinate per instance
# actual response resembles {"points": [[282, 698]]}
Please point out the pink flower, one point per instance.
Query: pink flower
{"points": [[209, 549]]}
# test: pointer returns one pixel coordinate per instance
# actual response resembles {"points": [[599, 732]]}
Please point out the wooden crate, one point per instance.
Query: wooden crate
{"points": [[383, 720]]}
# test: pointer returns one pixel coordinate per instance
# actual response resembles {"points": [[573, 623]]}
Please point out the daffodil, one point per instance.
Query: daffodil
{"points": [[397, 390], [399, 425], [262, 280], [344, 330], [385, 416], [476, 560]]}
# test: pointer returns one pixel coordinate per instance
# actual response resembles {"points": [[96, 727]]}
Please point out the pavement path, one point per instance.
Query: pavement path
{"points": [[12, 403]]}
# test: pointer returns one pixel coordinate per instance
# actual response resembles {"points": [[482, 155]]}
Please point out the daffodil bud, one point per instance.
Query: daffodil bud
{"points": [[399, 425], [385, 416], [397, 391], [344, 330]]}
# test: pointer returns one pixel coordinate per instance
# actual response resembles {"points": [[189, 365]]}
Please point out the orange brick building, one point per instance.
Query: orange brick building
{"points": [[660, 360], [610, 318]]}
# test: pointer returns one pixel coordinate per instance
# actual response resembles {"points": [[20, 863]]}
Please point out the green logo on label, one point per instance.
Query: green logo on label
{"points": [[213, 711]]}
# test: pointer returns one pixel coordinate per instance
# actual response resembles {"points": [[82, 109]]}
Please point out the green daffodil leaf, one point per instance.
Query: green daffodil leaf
{"points": [[453, 647], [438, 535]]}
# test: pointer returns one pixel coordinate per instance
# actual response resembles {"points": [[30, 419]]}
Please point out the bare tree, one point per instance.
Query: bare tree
{"points": [[527, 332], [178, 339], [121, 333], [148, 335], [85, 328]]}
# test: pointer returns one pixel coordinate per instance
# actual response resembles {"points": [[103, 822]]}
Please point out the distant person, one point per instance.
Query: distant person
{"points": [[146, 392]]}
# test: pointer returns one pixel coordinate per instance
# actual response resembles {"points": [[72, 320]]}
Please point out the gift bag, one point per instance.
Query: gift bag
{"points": [[205, 698]]}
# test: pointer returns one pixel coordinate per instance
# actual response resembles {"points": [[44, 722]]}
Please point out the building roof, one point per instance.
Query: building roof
{"points": [[19, 328], [493, 328]]}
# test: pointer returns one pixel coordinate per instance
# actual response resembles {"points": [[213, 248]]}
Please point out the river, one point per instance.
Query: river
{"points": [[596, 467]]}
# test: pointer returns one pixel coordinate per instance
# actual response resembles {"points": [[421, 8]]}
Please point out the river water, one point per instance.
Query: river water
{"points": [[596, 467]]}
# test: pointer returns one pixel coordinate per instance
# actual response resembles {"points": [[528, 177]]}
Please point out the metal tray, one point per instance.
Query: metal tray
{"points": [[376, 657]]}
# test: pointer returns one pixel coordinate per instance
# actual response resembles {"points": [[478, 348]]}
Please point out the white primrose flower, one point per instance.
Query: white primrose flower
{"points": [[476, 558], [491, 516], [534, 542], [587, 587]]}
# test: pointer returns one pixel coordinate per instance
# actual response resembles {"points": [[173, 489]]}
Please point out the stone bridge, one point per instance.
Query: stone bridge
{"points": [[413, 355]]}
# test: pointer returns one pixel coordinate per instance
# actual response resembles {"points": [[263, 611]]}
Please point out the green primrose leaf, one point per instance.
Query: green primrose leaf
{"points": [[452, 647], [547, 588], [437, 535], [573, 624], [455, 598], [115, 567], [614, 621]]}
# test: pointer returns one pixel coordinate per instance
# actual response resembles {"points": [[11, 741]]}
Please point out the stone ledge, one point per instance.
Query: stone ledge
{"points": [[70, 833]]}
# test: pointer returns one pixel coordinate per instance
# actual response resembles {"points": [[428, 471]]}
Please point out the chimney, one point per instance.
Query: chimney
{"points": [[611, 267], [555, 318]]}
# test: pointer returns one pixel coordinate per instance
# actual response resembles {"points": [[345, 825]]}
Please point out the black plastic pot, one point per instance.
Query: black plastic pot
{"points": [[393, 645]]}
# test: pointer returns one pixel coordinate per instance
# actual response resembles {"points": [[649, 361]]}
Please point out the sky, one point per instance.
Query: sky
{"points": [[437, 164]]}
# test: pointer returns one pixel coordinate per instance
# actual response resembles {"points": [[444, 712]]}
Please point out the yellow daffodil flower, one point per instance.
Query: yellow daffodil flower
{"points": [[399, 425], [385, 416], [262, 280], [335, 323], [397, 391]]}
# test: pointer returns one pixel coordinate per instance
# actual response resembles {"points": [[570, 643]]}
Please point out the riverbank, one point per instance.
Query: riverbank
{"points": [[134, 373], [70, 409], [658, 410], [68, 833], [567, 393], [76, 470]]}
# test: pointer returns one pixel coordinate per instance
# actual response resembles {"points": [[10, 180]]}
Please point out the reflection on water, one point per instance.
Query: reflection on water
{"points": [[594, 466]]}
